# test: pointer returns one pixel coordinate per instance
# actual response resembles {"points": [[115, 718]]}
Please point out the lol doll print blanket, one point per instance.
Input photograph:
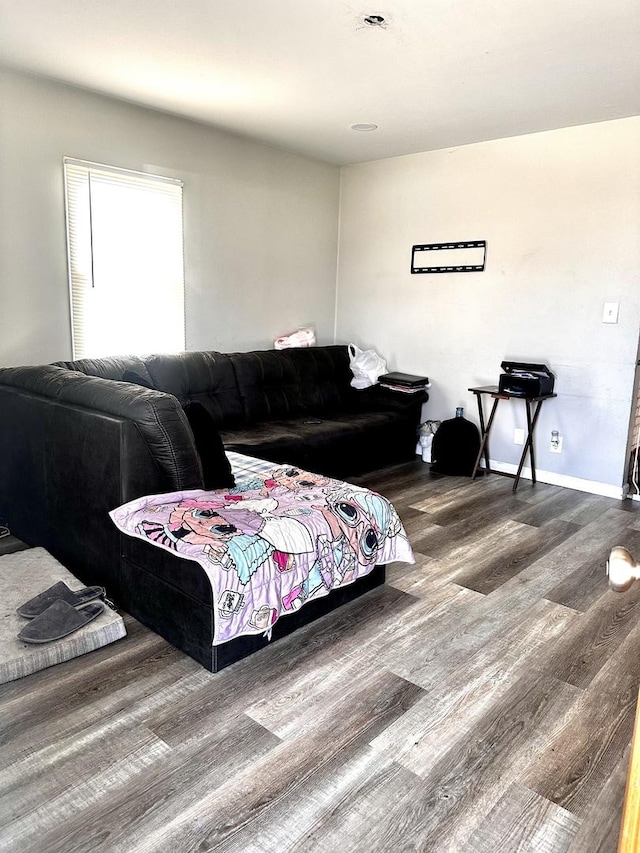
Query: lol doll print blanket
{"points": [[279, 538]]}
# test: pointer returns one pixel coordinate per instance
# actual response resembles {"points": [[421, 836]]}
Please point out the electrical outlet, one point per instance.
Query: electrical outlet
{"points": [[610, 312], [555, 445], [518, 436]]}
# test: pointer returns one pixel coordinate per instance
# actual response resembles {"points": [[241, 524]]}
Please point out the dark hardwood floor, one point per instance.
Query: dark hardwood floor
{"points": [[482, 701]]}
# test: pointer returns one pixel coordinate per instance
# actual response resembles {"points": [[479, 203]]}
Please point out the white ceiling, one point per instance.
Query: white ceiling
{"points": [[298, 73]]}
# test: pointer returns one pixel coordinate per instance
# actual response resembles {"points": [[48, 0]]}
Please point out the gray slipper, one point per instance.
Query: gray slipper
{"points": [[59, 620], [59, 592]]}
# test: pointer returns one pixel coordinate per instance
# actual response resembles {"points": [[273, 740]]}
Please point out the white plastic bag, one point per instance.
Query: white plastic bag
{"points": [[426, 432], [366, 366], [301, 338]]}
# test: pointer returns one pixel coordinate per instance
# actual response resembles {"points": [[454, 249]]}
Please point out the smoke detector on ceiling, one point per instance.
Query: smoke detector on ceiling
{"points": [[363, 127]]}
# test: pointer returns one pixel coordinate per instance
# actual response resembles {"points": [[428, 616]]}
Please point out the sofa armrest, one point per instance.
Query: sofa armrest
{"points": [[379, 399], [158, 416]]}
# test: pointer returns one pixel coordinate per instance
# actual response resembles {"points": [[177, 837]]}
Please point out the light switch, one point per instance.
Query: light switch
{"points": [[610, 312]]}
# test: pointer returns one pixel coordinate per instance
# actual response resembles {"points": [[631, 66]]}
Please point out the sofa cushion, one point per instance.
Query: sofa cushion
{"points": [[324, 378], [277, 441], [269, 385], [337, 445], [216, 469], [348, 444], [207, 377]]}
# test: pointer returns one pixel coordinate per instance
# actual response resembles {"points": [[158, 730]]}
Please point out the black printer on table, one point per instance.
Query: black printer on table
{"points": [[521, 379]]}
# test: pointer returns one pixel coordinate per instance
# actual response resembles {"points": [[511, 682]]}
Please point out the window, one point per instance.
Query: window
{"points": [[126, 265]]}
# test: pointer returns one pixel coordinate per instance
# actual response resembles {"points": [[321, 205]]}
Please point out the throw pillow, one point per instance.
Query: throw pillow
{"points": [[215, 465], [136, 379]]}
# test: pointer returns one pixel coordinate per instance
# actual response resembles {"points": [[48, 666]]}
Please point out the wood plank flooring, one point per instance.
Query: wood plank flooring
{"points": [[482, 701]]}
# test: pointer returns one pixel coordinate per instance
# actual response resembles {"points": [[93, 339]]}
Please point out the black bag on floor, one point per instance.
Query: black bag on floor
{"points": [[455, 447]]}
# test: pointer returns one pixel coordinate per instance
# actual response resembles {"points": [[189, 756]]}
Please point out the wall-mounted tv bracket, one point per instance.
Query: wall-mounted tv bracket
{"points": [[461, 256]]}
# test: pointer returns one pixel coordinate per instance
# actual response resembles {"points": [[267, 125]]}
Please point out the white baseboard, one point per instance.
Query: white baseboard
{"points": [[594, 487]]}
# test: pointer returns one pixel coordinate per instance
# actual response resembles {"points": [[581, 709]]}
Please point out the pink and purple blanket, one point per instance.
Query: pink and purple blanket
{"points": [[279, 538]]}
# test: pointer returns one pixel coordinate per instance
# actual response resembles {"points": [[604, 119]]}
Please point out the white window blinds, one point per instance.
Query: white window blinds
{"points": [[126, 264]]}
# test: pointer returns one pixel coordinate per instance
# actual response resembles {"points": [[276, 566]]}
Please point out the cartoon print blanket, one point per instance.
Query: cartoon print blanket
{"points": [[279, 538]]}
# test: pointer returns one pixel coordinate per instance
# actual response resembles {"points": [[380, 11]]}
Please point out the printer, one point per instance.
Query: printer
{"points": [[522, 379]]}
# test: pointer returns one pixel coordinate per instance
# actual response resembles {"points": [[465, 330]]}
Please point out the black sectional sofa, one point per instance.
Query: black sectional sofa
{"points": [[79, 439]]}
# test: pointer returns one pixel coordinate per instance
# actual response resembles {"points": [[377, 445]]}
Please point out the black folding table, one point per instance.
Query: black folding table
{"points": [[532, 417]]}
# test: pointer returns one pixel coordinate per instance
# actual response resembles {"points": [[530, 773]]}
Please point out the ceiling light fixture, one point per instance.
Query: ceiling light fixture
{"points": [[374, 20], [364, 127]]}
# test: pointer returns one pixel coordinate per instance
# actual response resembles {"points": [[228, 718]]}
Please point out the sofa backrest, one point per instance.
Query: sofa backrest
{"points": [[269, 385], [113, 367], [325, 378], [282, 384], [244, 387], [207, 377]]}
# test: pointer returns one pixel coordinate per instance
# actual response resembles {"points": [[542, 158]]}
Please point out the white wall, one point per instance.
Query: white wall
{"points": [[560, 212], [260, 224], [561, 215]]}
